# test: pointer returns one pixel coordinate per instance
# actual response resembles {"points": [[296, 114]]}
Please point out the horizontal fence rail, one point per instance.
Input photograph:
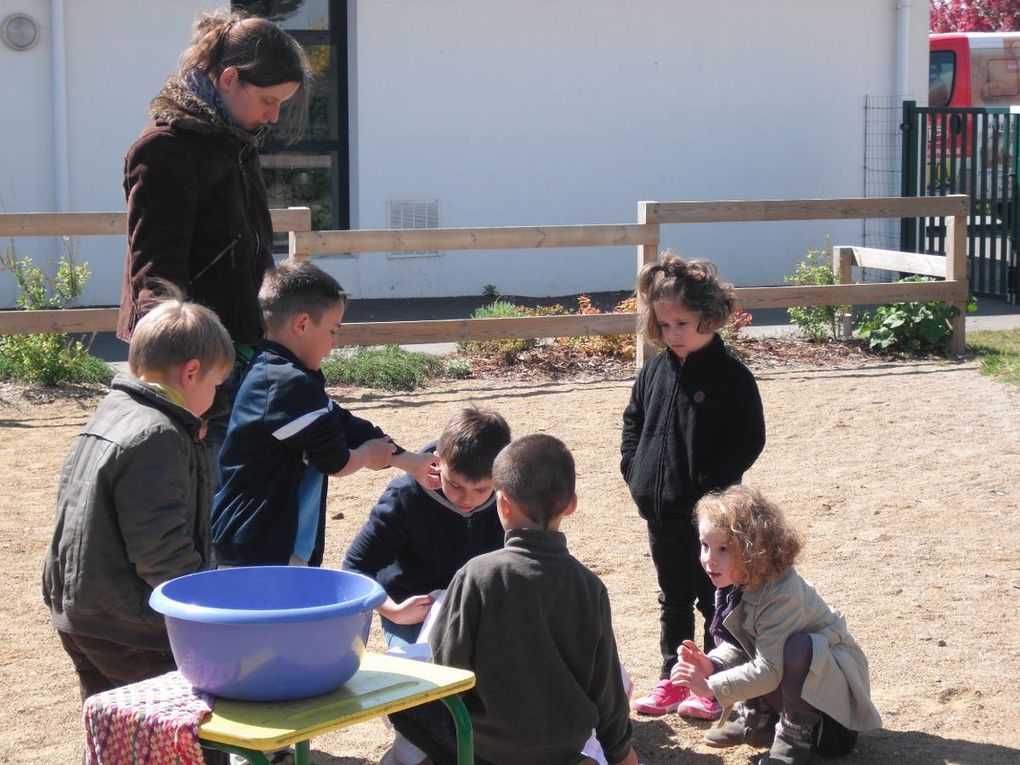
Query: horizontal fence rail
{"points": [[893, 260], [450, 330], [644, 235], [505, 238], [804, 209], [115, 223], [88, 320]]}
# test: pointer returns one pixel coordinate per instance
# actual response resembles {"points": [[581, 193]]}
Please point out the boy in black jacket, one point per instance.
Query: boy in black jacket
{"points": [[286, 436], [415, 538]]}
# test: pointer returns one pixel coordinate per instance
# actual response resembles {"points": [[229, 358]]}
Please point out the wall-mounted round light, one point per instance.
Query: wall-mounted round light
{"points": [[19, 31]]}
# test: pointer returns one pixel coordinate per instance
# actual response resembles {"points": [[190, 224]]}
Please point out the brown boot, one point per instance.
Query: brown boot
{"points": [[795, 735], [754, 724]]}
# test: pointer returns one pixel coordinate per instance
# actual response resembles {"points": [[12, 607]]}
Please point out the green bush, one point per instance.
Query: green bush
{"points": [[506, 350], [913, 327], [389, 367], [48, 359], [820, 321], [457, 368]]}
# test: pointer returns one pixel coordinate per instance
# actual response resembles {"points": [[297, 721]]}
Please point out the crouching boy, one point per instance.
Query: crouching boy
{"points": [[134, 498], [415, 538], [534, 626]]}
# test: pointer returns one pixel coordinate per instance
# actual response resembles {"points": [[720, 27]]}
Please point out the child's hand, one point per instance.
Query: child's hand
{"points": [[691, 653], [413, 610], [422, 467], [689, 676], [376, 454]]}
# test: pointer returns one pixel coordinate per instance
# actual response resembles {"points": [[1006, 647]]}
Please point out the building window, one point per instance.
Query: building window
{"points": [[314, 172]]}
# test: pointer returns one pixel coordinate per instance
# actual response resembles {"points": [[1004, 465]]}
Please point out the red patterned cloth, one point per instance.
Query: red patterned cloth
{"points": [[152, 722]]}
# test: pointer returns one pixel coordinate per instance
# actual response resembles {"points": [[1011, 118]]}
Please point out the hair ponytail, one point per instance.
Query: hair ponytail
{"points": [[261, 51]]}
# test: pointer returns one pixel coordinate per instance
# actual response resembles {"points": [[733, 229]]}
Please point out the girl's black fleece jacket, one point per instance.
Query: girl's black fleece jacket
{"points": [[690, 428]]}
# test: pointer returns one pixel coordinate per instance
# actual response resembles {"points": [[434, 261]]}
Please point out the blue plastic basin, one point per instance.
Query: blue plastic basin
{"points": [[268, 633]]}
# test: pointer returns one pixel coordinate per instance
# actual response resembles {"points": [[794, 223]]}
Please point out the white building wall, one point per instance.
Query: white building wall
{"points": [[524, 113], [117, 56], [570, 111]]}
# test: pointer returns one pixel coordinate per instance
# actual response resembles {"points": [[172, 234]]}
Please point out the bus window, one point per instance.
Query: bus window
{"points": [[1002, 79], [941, 69]]}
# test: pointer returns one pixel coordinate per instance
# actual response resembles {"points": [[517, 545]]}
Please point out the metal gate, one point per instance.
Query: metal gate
{"points": [[966, 151]]}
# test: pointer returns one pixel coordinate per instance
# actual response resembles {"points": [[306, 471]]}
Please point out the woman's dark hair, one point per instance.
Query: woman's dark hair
{"points": [[263, 54]]}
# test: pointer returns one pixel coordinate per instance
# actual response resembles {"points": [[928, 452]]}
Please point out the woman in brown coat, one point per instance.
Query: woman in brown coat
{"points": [[198, 215]]}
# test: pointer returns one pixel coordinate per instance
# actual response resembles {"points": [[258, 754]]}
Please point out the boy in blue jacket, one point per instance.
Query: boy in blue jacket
{"points": [[286, 436], [415, 538]]}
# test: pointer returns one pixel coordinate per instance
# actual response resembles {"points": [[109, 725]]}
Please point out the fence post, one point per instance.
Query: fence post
{"points": [[956, 271], [842, 269], [646, 253], [304, 225], [908, 173]]}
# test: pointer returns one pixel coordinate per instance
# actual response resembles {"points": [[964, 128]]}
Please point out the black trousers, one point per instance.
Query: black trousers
{"points": [[682, 584]]}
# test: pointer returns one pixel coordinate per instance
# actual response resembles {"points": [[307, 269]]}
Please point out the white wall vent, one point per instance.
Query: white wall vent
{"points": [[413, 213]]}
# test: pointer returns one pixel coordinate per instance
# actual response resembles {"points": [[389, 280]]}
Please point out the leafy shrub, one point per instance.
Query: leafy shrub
{"points": [[819, 321], [456, 368], [52, 358], [506, 350], [617, 346], [914, 327], [389, 367]]}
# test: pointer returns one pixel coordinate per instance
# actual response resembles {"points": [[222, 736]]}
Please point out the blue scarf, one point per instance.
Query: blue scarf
{"points": [[204, 89]]}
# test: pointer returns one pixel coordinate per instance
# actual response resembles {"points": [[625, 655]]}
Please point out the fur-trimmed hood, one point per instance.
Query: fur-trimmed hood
{"points": [[178, 105]]}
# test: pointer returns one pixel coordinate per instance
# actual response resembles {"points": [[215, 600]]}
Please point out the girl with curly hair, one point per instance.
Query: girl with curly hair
{"points": [[694, 424], [779, 649]]}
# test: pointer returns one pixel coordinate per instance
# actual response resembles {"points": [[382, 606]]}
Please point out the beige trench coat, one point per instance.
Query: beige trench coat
{"points": [[837, 682]]}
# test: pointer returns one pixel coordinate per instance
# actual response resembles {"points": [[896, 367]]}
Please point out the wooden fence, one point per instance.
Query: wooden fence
{"points": [[644, 235]]}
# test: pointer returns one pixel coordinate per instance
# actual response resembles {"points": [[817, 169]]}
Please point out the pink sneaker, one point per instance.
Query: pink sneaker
{"points": [[664, 697], [700, 707]]}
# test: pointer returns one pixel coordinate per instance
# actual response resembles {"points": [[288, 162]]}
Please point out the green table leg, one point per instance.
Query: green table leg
{"points": [[465, 737]]}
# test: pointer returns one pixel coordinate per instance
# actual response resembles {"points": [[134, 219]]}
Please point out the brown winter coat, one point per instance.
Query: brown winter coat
{"points": [[198, 215]]}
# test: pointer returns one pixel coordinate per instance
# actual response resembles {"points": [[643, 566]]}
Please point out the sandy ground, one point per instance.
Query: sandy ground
{"points": [[902, 476]]}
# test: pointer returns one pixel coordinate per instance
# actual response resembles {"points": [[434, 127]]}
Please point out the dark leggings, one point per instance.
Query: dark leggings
{"points": [[797, 655], [682, 582], [833, 739]]}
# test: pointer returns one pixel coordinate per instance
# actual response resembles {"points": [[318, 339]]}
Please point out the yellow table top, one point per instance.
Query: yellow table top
{"points": [[382, 685]]}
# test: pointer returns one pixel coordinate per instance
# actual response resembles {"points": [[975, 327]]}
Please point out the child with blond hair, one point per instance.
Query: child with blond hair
{"points": [[134, 499], [779, 648], [694, 424]]}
